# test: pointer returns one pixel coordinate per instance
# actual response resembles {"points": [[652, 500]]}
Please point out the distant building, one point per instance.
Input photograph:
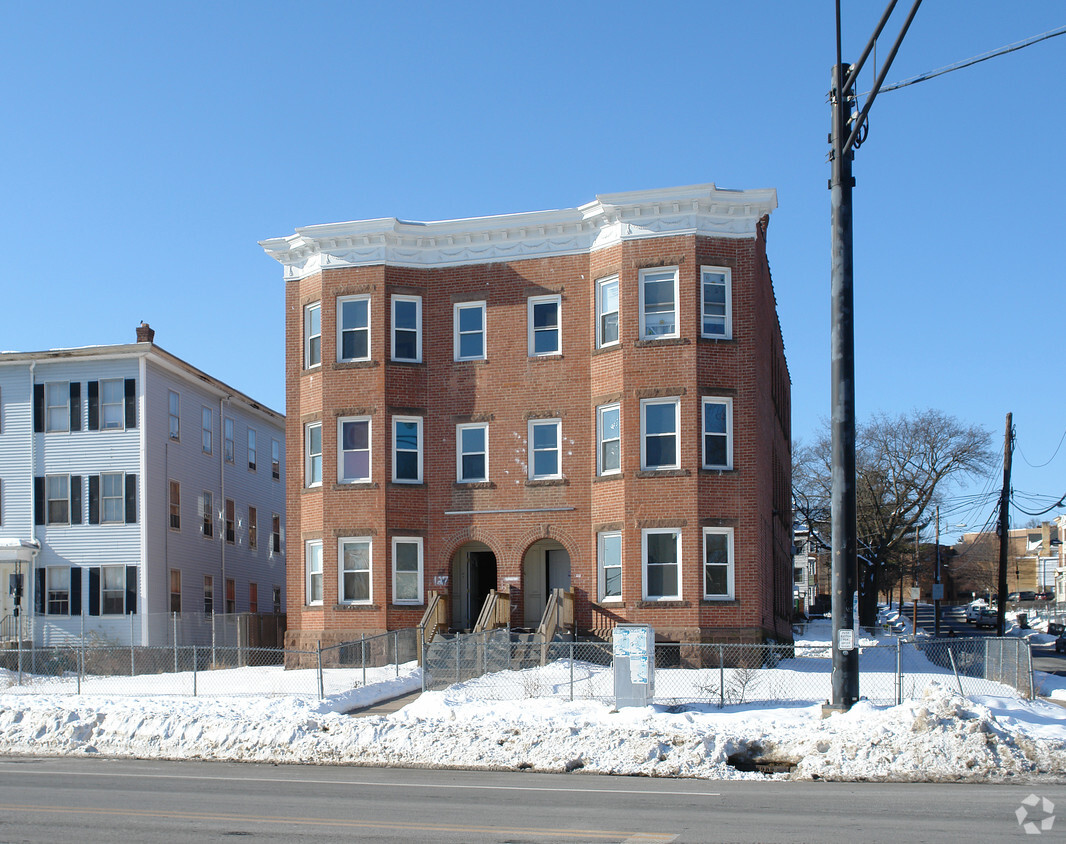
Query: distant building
{"points": [[134, 487], [594, 399], [1030, 561]]}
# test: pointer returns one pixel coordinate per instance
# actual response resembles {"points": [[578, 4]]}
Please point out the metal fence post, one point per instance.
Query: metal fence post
{"points": [[396, 650], [458, 636], [133, 667], [194, 661], [175, 627], [1029, 655], [571, 669], [81, 652], [321, 683], [899, 671], [721, 676], [362, 654], [423, 652]]}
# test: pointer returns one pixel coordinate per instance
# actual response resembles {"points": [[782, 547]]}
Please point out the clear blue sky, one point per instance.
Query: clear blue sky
{"points": [[146, 148]]}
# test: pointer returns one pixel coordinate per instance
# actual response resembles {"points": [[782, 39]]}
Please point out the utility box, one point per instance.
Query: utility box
{"points": [[634, 665]]}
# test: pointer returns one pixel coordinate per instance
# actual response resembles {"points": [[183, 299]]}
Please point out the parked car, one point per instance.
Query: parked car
{"points": [[1013, 597], [1027, 596], [987, 617], [973, 609], [1045, 596], [1060, 644]]}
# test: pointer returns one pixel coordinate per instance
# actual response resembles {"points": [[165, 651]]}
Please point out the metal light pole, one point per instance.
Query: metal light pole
{"points": [[845, 136]]}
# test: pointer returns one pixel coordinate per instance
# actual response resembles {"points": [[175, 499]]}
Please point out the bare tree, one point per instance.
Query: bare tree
{"points": [[903, 466]]}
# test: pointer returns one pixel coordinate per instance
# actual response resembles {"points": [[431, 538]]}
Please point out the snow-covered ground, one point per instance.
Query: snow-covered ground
{"points": [[939, 736]]}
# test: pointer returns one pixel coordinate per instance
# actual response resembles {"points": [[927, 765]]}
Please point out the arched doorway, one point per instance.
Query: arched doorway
{"points": [[545, 566], [473, 577]]}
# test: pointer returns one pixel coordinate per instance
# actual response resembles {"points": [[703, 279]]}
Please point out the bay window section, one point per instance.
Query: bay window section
{"points": [[659, 435], [718, 569], [661, 558], [716, 302], [407, 449], [407, 328], [406, 570], [544, 321], [313, 571], [607, 312], [355, 559], [609, 439], [658, 304], [353, 434], [313, 455], [717, 433], [353, 328], [469, 331], [609, 553]]}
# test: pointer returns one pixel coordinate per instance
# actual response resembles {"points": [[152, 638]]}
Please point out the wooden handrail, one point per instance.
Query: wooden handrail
{"points": [[495, 612], [435, 618], [558, 612]]}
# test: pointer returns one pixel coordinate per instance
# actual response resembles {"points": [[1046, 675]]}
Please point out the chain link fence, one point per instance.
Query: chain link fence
{"points": [[205, 670], [496, 666]]}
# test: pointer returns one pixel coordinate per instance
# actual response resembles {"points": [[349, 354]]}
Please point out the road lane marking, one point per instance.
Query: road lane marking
{"points": [[445, 786], [585, 834]]}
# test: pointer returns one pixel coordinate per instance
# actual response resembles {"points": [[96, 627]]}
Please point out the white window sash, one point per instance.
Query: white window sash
{"points": [[602, 440], [313, 566], [645, 433], [343, 569], [649, 329], [343, 452], [730, 565], [417, 329], [727, 435], [460, 477], [353, 330], [532, 331], [727, 318], [601, 312], [397, 451], [533, 451], [407, 576], [645, 564], [459, 333]]}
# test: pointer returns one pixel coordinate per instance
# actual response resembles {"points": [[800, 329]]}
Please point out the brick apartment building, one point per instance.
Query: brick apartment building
{"points": [[593, 398]]}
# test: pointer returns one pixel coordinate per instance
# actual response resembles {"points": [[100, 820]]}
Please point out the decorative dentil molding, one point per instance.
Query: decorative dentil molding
{"points": [[609, 220]]}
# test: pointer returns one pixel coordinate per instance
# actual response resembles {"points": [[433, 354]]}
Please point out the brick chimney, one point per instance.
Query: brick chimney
{"points": [[145, 334]]}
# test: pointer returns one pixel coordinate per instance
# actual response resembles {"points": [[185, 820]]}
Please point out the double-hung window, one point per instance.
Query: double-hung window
{"points": [[251, 450], [112, 404], [407, 449], [659, 433], [544, 318], [227, 440], [472, 453], [717, 433], [175, 591], [658, 303], [609, 553], [716, 302], [208, 513], [313, 335], [353, 328], [175, 505], [205, 430], [253, 528], [355, 556], [313, 454], [231, 521], [469, 331], [313, 570], [718, 581], [545, 449], [57, 406], [112, 498], [353, 436], [407, 570], [275, 460], [661, 557], [209, 594], [112, 590], [275, 533], [609, 439], [607, 311], [59, 590], [58, 499], [407, 328], [174, 410]]}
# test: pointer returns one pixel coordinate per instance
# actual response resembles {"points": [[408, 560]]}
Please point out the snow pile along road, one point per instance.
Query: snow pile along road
{"points": [[942, 736]]}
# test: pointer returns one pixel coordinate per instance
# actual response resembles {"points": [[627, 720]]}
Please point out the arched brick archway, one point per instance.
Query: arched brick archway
{"points": [[547, 557], [470, 559]]}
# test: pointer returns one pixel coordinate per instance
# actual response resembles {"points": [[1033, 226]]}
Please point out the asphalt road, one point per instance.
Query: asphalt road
{"points": [[91, 800]]}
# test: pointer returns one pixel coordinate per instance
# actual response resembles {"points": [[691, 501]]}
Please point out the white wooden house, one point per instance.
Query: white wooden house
{"points": [[136, 492]]}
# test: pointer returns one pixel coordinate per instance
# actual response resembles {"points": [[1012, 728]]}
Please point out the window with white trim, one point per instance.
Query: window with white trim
{"points": [[275, 459], [607, 311], [227, 440], [313, 570], [545, 449], [175, 505], [275, 533], [313, 335], [609, 554], [253, 527], [407, 570], [175, 591], [471, 453], [658, 303], [354, 553], [113, 404], [469, 330], [660, 424], [718, 579], [609, 439], [544, 321], [661, 563], [112, 498], [230, 509], [716, 302], [251, 450], [407, 328], [206, 427], [353, 328], [717, 433], [208, 513], [58, 586], [313, 454], [57, 496], [353, 438], [57, 406], [174, 414], [407, 449], [112, 590]]}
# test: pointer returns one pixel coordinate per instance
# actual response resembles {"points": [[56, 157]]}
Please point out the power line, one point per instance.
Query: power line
{"points": [[1010, 48], [1053, 456]]}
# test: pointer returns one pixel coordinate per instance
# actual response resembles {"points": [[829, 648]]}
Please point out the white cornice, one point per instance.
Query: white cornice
{"points": [[610, 219]]}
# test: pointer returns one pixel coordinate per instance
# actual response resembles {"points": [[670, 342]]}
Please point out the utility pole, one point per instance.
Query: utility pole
{"points": [[1004, 526], [845, 137], [937, 587]]}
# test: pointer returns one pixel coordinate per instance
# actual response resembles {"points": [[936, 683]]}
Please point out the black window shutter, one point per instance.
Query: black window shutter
{"points": [[75, 499], [131, 499], [131, 402], [38, 408], [94, 590], [131, 590], [93, 390], [75, 590], [38, 593], [94, 499], [75, 405], [39, 502]]}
